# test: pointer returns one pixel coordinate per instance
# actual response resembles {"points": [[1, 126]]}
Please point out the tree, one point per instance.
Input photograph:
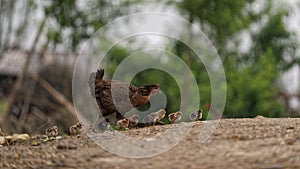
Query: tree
{"points": [[251, 76]]}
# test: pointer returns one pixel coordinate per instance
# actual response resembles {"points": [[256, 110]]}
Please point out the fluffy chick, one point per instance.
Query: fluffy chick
{"points": [[150, 119], [76, 129], [160, 114], [196, 115], [123, 123], [173, 117], [133, 120], [154, 117], [52, 131]]}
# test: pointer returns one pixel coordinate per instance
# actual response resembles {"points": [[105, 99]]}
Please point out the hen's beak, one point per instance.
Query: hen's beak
{"points": [[159, 91], [155, 91]]}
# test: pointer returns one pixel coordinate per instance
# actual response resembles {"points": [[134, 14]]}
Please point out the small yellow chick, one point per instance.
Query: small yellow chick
{"points": [[76, 129], [160, 114], [174, 117], [52, 131], [149, 119], [196, 115], [123, 123], [154, 117], [133, 120]]}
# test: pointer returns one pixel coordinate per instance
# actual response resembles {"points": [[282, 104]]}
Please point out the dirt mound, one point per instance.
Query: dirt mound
{"points": [[236, 143]]}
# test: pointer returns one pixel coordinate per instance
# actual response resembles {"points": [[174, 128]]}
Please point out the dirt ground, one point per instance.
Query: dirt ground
{"points": [[262, 143]]}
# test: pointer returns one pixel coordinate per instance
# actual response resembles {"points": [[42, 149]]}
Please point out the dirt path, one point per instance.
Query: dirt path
{"points": [[237, 143]]}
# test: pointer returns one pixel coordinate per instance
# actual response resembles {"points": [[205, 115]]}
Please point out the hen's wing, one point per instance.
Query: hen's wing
{"points": [[122, 94], [114, 96], [103, 98]]}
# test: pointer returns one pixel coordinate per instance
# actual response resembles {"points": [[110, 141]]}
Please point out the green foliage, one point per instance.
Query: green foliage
{"points": [[67, 15], [276, 36], [252, 91], [220, 19], [167, 84], [73, 23], [250, 77], [3, 104], [198, 70]]}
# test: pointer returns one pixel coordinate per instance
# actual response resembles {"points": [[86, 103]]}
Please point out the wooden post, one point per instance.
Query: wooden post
{"points": [[20, 79]]}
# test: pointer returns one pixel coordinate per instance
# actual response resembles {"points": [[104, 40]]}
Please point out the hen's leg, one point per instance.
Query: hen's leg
{"points": [[119, 116], [101, 124]]}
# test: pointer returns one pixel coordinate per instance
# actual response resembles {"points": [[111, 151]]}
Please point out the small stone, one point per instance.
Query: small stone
{"points": [[35, 143], [72, 147], [17, 155], [259, 117], [289, 141], [2, 140], [290, 127], [62, 146], [49, 163], [13, 165], [20, 137]]}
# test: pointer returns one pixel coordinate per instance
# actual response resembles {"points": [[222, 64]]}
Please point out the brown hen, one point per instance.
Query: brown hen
{"points": [[122, 99]]}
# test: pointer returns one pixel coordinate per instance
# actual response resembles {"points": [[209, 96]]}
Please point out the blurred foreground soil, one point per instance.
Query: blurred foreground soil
{"points": [[262, 143]]}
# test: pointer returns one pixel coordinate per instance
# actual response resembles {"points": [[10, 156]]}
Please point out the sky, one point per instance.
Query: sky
{"points": [[291, 79]]}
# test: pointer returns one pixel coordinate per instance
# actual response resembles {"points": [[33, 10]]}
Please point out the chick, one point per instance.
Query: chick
{"points": [[154, 117], [150, 119], [52, 131], [76, 129], [196, 115], [173, 117], [123, 123], [133, 120], [160, 114], [1, 133]]}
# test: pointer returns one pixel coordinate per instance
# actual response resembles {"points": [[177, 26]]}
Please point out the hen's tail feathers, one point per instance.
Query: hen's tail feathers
{"points": [[95, 76], [100, 74]]}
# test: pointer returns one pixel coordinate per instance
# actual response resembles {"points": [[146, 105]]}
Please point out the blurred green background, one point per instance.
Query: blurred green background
{"points": [[257, 41]]}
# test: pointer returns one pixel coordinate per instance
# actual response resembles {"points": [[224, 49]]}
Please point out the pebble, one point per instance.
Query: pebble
{"points": [[65, 146], [290, 127], [2, 140], [289, 141], [259, 117]]}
